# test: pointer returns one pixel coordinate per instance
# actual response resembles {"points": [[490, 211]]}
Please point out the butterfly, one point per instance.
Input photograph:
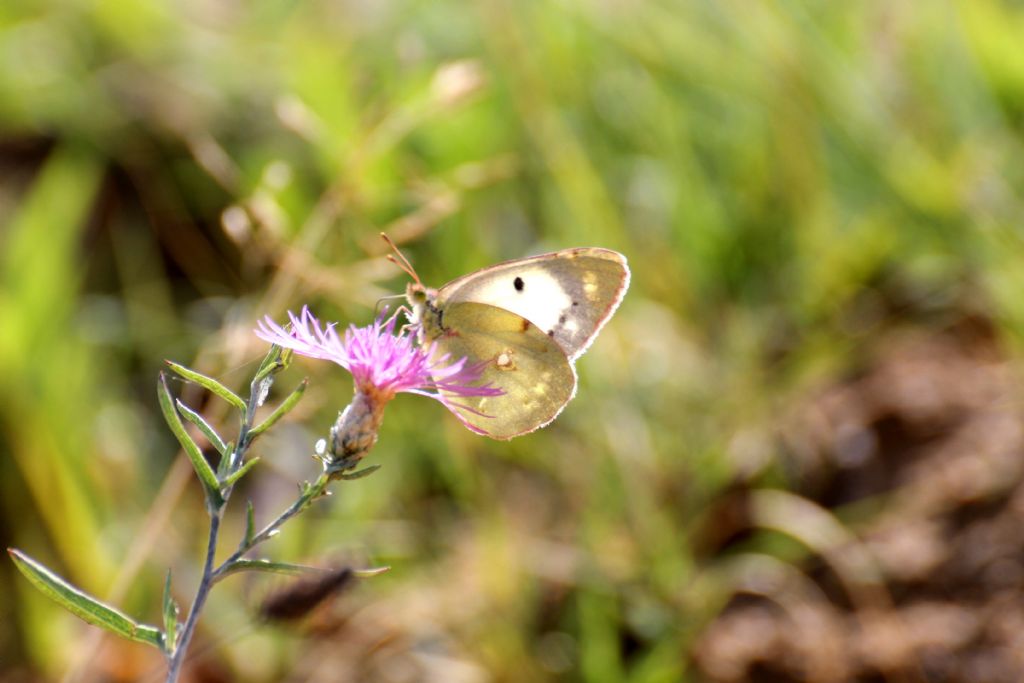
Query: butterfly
{"points": [[526, 321]]}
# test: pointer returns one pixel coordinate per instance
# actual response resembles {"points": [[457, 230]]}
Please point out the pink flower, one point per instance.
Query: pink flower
{"points": [[382, 362]]}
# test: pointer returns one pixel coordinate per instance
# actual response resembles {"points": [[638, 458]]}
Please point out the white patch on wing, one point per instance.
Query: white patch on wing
{"points": [[568, 295], [542, 300]]}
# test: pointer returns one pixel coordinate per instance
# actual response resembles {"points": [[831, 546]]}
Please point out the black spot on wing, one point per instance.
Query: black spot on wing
{"points": [[518, 284]]}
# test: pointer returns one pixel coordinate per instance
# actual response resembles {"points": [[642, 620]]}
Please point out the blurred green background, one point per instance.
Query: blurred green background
{"points": [[796, 450]]}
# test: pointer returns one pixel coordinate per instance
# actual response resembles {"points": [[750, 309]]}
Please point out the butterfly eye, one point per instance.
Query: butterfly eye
{"points": [[518, 284]]}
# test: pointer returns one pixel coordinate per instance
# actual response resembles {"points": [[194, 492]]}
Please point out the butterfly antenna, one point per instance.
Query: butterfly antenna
{"points": [[398, 258]]}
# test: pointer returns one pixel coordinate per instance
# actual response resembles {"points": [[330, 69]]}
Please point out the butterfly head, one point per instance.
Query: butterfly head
{"points": [[423, 312]]}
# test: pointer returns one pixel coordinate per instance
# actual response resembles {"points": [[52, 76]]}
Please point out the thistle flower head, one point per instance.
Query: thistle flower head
{"points": [[382, 362]]}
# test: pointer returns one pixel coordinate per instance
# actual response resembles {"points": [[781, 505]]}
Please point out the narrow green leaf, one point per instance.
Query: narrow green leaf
{"points": [[225, 461], [250, 523], [276, 360], [204, 426], [359, 474], [240, 472], [280, 411], [82, 605], [170, 618], [208, 383], [202, 468], [265, 566]]}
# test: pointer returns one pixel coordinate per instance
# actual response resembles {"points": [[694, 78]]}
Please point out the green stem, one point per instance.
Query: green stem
{"points": [[335, 468], [212, 576], [311, 493], [178, 658], [235, 461]]}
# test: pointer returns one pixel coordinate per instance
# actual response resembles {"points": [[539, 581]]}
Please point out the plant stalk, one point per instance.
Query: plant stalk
{"points": [[352, 450], [178, 658], [312, 492]]}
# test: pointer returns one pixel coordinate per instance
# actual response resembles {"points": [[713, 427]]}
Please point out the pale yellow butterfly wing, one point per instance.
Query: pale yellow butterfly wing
{"points": [[528, 365], [569, 294]]}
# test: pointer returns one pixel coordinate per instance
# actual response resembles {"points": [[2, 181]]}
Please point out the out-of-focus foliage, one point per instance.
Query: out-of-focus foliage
{"points": [[800, 188]]}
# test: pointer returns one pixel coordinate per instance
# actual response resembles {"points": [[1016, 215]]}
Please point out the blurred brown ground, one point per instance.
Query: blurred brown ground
{"points": [[925, 451]]}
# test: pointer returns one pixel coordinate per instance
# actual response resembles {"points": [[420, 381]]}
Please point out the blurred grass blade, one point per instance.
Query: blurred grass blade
{"points": [[208, 383], [44, 362], [204, 426], [371, 572], [240, 472], [170, 617], [202, 468], [280, 411], [82, 605]]}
